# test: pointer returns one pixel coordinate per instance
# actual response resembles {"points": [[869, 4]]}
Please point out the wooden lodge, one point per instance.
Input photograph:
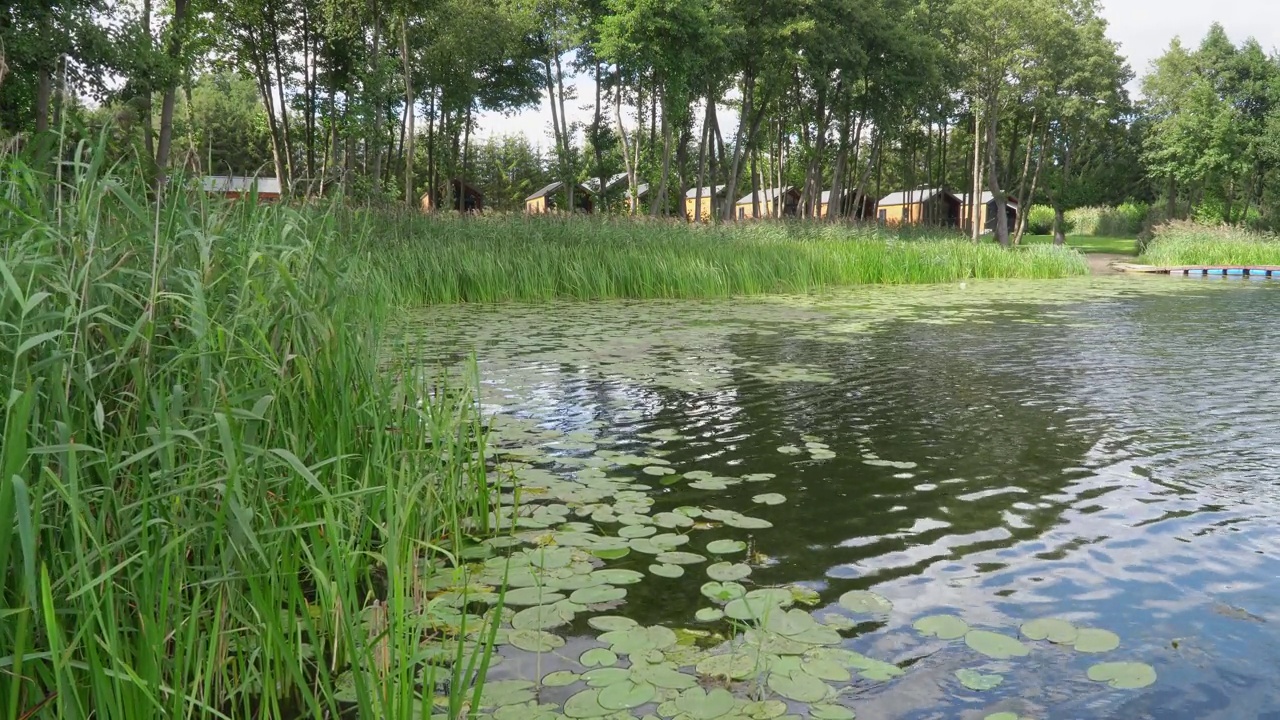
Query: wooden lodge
{"points": [[773, 203], [865, 210], [703, 211], [466, 198], [236, 186], [552, 198], [987, 213], [923, 206]]}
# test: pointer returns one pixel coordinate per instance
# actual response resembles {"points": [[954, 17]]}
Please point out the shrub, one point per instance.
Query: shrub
{"points": [[1040, 220], [1107, 221], [1189, 243]]}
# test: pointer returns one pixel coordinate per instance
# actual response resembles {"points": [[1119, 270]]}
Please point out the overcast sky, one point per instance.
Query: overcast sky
{"points": [[1142, 27]]}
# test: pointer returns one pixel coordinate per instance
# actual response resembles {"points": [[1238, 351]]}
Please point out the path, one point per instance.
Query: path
{"points": [[1100, 263]]}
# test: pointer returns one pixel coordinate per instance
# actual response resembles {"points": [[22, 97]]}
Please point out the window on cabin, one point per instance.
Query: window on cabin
{"points": [[884, 216]]}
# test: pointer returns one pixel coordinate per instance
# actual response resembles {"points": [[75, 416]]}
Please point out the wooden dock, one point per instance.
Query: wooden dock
{"points": [[1203, 270]]}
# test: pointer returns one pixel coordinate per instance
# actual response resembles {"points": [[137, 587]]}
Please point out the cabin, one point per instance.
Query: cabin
{"points": [[552, 198], [234, 187], [774, 202], [923, 206], [703, 211], [865, 210], [466, 198], [987, 213]]}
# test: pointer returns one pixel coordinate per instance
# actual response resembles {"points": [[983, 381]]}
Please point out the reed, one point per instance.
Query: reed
{"points": [[514, 258], [1188, 243], [213, 502]]}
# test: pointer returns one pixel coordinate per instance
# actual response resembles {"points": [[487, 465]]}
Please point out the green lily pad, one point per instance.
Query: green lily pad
{"points": [[611, 553], [657, 470], [1003, 716], [549, 558], [680, 558], [758, 477], [1123, 675], [507, 692], [995, 645], [709, 614], [734, 665], [1051, 629], [541, 617], [879, 670], [534, 640], [727, 572], [865, 601], [598, 594], [603, 677], [975, 680], [639, 641], [698, 475], [626, 695], [799, 685], [746, 522], [672, 520], [790, 450], [560, 678], [519, 597], [830, 712], [825, 669], [723, 592], [663, 676], [585, 704], [668, 571], [725, 547], [769, 499], [631, 532], [598, 657], [1095, 640], [699, 704], [945, 627], [618, 576], [610, 623]]}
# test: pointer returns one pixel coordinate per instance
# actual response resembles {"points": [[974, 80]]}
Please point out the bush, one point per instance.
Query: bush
{"points": [[1107, 221], [1040, 220], [1189, 243]]}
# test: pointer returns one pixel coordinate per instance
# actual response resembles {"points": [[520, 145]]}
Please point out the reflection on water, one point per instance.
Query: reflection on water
{"points": [[1105, 453]]}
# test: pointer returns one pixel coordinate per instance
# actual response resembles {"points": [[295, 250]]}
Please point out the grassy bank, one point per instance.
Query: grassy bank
{"points": [[1185, 243], [1091, 243], [212, 503], [447, 260]]}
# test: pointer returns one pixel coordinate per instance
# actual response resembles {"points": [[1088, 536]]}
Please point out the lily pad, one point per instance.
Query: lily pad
{"points": [[945, 627], [537, 641], [610, 623], [598, 657], [585, 704], [1051, 629], [680, 558], [672, 520], [830, 712], [734, 665], [603, 677], [1095, 640], [598, 594], [723, 592], [519, 597], [657, 470], [618, 576], [560, 678], [709, 614], [549, 558], [499, 693], [541, 617], [865, 601], [699, 704], [790, 450], [769, 499], [995, 645], [1123, 675], [799, 685], [746, 522], [665, 570], [725, 547], [632, 532], [639, 641], [975, 680], [879, 670], [727, 572], [626, 695]]}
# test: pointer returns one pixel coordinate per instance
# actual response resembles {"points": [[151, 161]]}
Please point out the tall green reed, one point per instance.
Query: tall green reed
{"points": [[215, 501], [1189, 243]]}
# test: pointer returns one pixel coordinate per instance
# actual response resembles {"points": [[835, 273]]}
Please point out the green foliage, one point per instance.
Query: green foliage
{"points": [[1125, 220], [1040, 220], [210, 484], [1188, 243]]}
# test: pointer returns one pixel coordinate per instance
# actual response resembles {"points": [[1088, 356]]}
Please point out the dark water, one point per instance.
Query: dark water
{"points": [[1107, 453]]}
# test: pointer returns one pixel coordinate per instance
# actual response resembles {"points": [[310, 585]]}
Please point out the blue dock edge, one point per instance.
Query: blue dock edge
{"points": [[1265, 271]]}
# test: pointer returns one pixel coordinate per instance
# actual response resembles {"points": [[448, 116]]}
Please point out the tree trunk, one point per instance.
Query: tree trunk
{"points": [[835, 206], [993, 171], [626, 142], [975, 189], [148, 136], [285, 141], [596, 140], [658, 203], [170, 91], [1059, 225], [409, 103], [569, 182], [373, 144], [696, 215]]}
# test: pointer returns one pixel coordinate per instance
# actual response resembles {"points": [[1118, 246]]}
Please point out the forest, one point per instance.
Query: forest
{"points": [[1025, 99]]}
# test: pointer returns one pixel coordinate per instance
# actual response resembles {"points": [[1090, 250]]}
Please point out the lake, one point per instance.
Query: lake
{"points": [[1104, 452]]}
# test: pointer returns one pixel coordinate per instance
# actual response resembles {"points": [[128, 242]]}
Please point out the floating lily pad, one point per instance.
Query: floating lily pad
{"points": [[585, 704], [1003, 716], [709, 614], [723, 592], [610, 623], [758, 477], [541, 617], [945, 627], [549, 558], [746, 522], [668, 571], [598, 594], [672, 520], [995, 645], [534, 640], [626, 695], [865, 601], [734, 665], [727, 572], [769, 499], [725, 547], [519, 597], [880, 671], [680, 558], [799, 685], [611, 553], [499, 693], [603, 677], [618, 576], [657, 470], [1095, 640], [560, 678], [826, 669], [699, 704], [631, 532], [1123, 675], [639, 640], [975, 680], [790, 450], [598, 657], [1051, 629], [830, 712]]}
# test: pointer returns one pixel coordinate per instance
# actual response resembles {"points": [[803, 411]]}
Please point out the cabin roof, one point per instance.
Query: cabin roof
{"points": [[986, 198], [545, 191], [612, 182], [641, 190], [826, 196], [768, 195], [241, 184], [707, 191], [918, 195]]}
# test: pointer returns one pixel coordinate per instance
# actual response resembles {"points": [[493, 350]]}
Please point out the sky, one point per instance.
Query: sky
{"points": [[1143, 28]]}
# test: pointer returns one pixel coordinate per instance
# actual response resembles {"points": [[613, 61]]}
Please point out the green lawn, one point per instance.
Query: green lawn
{"points": [[1091, 244]]}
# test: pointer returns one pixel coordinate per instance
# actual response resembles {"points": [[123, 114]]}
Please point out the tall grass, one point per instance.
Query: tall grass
{"points": [[449, 260], [1188, 243], [212, 502], [1121, 221]]}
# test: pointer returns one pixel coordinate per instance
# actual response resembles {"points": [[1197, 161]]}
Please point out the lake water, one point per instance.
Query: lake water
{"points": [[1103, 451]]}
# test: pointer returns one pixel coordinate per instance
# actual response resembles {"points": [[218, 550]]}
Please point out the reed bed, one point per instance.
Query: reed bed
{"points": [[451, 260], [213, 503], [1188, 243]]}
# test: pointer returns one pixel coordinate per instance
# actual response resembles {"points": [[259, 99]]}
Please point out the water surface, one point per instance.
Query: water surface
{"points": [[1103, 451]]}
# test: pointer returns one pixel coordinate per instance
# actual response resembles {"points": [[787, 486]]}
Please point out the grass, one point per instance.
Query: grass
{"points": [[1187, 243], [1091, 244], [212, 502], [513, 258]]}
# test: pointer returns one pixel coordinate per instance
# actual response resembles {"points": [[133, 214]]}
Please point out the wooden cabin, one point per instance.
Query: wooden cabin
{"points": [[553, 198], [235, 186], [865, 210], [987, 213], [703, 212], [466, 198], [923, 206], [774, 202]]}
